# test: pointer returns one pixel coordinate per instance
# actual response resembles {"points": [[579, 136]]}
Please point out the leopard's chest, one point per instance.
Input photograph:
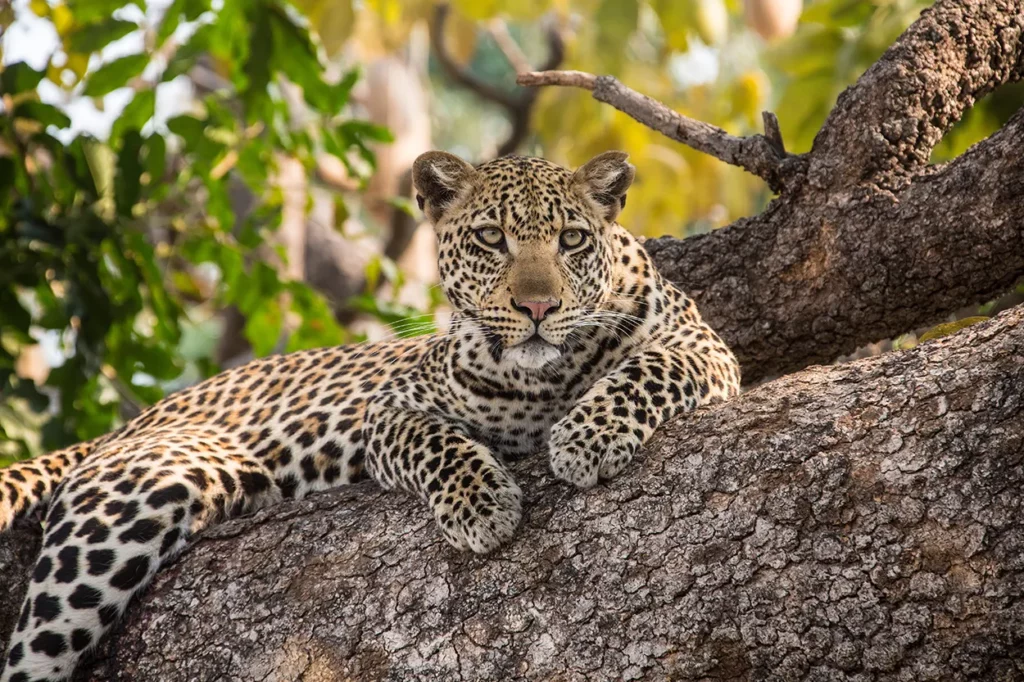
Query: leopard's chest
{"points": [[515, 428], [514, 414]]}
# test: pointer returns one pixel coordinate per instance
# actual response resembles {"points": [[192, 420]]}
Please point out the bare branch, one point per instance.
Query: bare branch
{"points": [[773, 133], [756, 154], [508, 46], [462, 76], [518, 107]]}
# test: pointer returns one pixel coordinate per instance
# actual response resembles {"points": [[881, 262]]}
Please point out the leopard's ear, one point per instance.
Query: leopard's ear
{"points": [[604, 180], [440, 178]]}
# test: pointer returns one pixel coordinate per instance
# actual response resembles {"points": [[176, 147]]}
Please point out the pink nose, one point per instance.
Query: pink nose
{"points": [[536, 310]]}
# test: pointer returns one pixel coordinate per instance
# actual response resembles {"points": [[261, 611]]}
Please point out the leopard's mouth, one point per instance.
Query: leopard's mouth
{"points": [[535, 342], [533, 353]]}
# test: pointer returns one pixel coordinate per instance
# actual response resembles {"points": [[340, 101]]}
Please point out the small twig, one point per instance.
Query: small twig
{"points": [[460, 75], [759, 154]]}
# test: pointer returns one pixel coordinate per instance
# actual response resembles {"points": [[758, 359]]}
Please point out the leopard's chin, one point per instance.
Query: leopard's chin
{"points": [[533, 353]]}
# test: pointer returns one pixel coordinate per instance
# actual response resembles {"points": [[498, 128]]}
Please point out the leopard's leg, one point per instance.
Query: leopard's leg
{"points": [[601, 433], [475, 501], [111, 525]]}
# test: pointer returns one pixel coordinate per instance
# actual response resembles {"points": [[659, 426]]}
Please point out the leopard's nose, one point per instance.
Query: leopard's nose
{"points": [[536, 310]]}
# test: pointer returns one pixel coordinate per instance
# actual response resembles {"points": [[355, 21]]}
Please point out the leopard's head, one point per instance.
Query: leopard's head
{"points": [[525, 246]]}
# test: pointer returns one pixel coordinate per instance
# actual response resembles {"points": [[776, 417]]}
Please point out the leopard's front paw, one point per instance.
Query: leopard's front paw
{"points": [[585, 458], [478, 510]]}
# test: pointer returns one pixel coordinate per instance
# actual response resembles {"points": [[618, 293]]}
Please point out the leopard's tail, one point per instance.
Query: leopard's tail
{"points": [[25, 486]]}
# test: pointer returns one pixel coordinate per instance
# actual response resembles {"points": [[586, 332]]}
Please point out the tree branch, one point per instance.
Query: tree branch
{"points": [[883, 129], [756, 154], [859, 518], [461, 76], [818, 275], [508, 46], [519, 108]]}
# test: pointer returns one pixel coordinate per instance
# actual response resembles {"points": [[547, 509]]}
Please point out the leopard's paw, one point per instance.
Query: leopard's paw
{"points": [[584, 459], [478, 511]]}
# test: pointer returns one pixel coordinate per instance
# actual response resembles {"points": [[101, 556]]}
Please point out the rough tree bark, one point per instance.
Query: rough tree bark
{"points": [[861, 521]]}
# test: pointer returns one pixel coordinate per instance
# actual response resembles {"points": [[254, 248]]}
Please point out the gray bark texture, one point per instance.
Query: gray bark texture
{"points": [[861, 521]]}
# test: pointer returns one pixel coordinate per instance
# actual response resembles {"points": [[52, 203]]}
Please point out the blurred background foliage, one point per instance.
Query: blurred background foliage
{"points": [[186, 184]]}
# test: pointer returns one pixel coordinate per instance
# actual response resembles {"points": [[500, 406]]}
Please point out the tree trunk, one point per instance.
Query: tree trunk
{"points": [[859, 521]]}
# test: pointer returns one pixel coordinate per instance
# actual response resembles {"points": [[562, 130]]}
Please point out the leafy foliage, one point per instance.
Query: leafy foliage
{"points": [[118, 250]]}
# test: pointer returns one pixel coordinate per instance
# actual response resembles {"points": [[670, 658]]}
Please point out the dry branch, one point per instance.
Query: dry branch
{"points": [[757, 153], [860, 521]]}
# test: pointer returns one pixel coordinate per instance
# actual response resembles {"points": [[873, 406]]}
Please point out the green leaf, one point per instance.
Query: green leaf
{"points": [[263, 327], [257, 70], [676, 22], [76, 163], [339, 94], [129, 172], [188, 127], [19, 77], [296, 57], [254, 163], [94, 37], [190, 9], [44, 113], [365, 130], [115, 74], [186, 56], [88, 11], [135, 115], [155, 148]]}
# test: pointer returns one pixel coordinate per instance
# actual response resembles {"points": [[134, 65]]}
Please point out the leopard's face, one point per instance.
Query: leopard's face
{"points": [[525, 250]]}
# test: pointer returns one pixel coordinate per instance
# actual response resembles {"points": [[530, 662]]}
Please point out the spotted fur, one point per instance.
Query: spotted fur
{"points": [[565, 340]]}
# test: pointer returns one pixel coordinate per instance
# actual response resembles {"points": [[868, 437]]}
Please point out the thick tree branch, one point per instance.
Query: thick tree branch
{"points": [[883, 129], [818, 275], [856, 519], [757, 154]]}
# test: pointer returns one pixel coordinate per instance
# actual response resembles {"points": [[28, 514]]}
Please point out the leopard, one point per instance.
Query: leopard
{"points": [[564, 340]]}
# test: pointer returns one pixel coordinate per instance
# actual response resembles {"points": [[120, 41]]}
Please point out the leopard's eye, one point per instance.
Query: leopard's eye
{"points": [[491, 236], [571, 239]]}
